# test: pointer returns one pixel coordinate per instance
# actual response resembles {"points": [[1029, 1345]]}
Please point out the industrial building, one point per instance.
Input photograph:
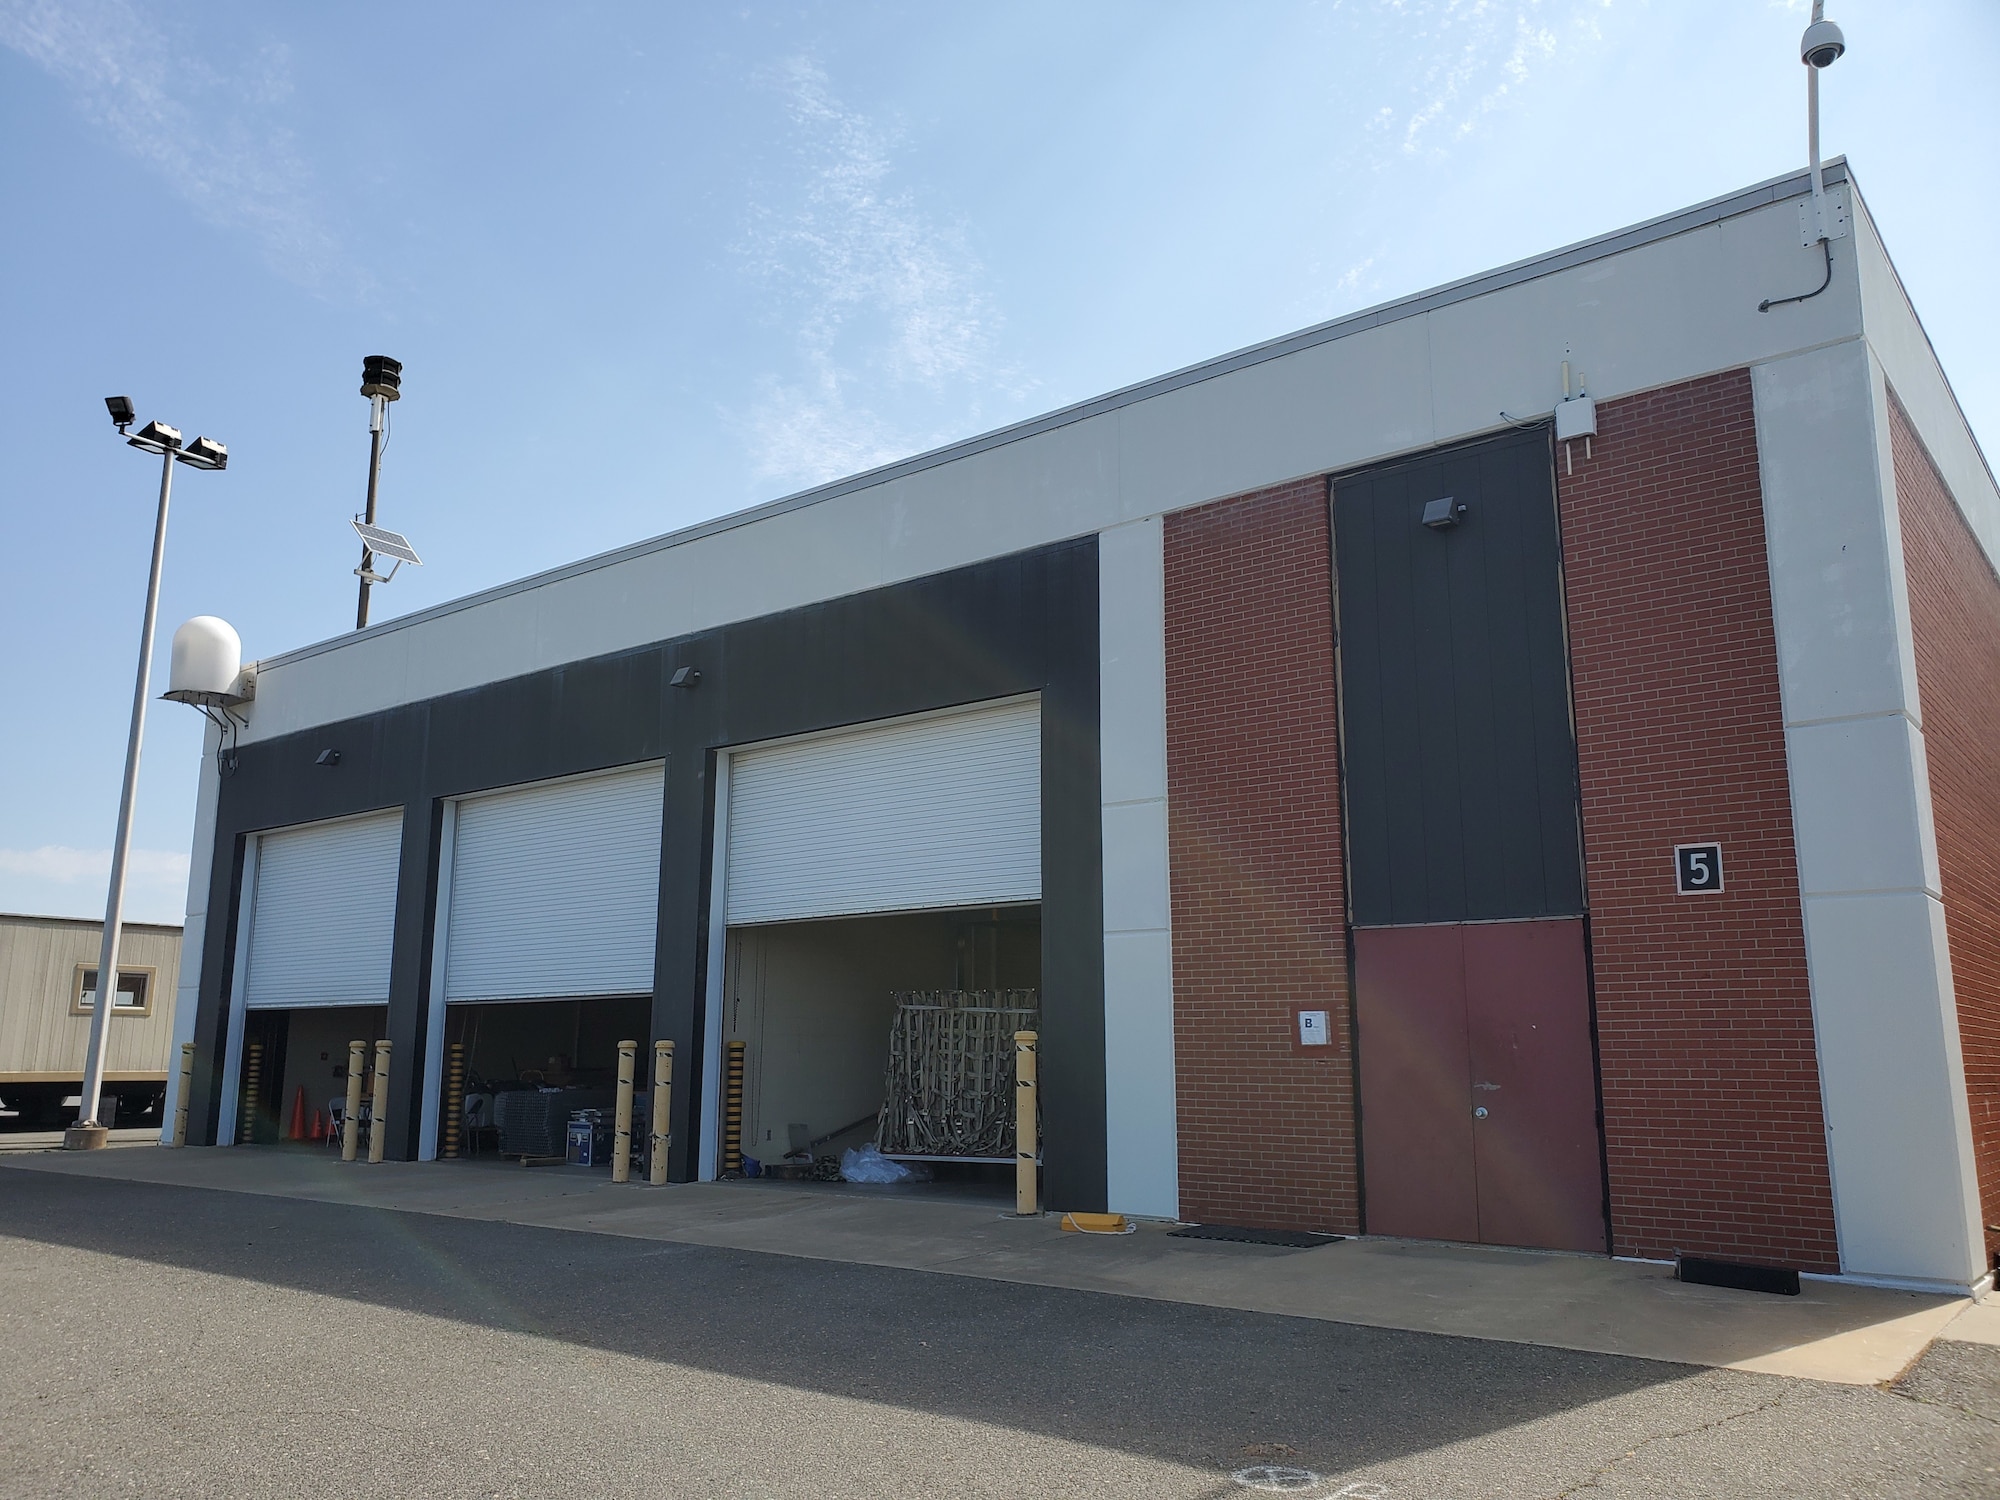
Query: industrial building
{"points": [[1520, 764]]}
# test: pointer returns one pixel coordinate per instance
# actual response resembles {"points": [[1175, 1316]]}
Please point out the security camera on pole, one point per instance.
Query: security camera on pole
{"points": [[1822, 221], [381, 383], [88, 1134], [1820, 47]]}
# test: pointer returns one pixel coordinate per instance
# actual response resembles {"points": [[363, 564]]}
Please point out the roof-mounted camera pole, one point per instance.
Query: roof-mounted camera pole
{"points": [[1820, 222], [1819, 48], [381, 383]]}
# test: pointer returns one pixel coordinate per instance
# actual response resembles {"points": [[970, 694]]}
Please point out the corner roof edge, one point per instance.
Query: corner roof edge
{"points": [[1665, 226]]}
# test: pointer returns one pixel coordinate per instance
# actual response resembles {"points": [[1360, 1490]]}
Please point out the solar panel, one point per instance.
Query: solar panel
{"points": [[387, 543]]}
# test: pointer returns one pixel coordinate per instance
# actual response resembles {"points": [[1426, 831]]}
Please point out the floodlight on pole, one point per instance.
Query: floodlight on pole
{"points": [[206, 453], [155, 437]]}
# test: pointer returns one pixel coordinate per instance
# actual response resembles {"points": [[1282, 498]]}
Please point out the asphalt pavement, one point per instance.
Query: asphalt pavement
{"points": [[166, 1341]]}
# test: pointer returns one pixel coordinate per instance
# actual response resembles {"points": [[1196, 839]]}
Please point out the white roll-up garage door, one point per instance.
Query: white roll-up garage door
{"points": [[911, 815], [323, 916], [555, 889]]}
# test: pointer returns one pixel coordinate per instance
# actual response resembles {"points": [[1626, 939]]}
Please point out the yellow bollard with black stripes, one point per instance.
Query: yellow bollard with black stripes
{"points": [[253, 1092], [663, 1093], [1027, 1145], [454, 1098], [732, 1108], [378, 1111], [621, 1140], [181, 1099], [350, 1121]]}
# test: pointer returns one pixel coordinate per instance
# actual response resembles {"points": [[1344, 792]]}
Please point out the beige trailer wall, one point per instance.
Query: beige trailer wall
{"points": [[41, 1039]]}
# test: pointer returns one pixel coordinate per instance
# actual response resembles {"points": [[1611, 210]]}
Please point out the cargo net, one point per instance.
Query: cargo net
{"points": [[950, 1086]]}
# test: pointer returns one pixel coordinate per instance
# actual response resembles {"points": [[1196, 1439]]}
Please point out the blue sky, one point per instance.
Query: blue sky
{"points": [[647, 264]]}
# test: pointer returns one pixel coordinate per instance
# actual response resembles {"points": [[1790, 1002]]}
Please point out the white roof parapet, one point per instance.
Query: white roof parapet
{"points": [[1701, 215]]}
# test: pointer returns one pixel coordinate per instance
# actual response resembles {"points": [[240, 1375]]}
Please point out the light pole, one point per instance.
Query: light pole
{"points": [[87, 1133]]}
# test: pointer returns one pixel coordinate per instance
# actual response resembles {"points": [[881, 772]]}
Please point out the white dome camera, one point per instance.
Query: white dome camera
{"points": [[1822, 45]]}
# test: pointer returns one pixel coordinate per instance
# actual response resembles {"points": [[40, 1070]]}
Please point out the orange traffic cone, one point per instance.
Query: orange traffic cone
{"points": [[319, 1125], [298, 1130]]}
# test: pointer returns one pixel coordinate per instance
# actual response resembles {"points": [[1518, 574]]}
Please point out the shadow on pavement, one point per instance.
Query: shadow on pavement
{"points": [[1164, 1380]]}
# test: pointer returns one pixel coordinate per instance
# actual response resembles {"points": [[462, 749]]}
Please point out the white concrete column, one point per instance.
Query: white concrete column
{"points": [[1142, 1147], [187, 992], [1892, 1078]]}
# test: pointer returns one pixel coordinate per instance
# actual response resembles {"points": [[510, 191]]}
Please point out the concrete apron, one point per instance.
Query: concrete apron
{"points": [[1853, 1335]]}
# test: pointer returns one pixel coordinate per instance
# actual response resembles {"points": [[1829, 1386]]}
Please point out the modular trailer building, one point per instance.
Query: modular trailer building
{"points": [[48, 991], [1412, 823]]}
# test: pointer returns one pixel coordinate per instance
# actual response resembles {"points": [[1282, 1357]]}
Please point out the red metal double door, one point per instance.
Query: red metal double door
{"points": [[1478, 1089]]}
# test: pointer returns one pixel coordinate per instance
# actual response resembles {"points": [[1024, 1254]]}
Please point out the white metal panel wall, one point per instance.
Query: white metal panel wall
{"points": [[555, 890], [1432, 368], [324, 914], [916, 814]]}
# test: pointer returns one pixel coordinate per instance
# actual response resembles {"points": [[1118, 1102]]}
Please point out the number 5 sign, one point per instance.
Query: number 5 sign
{"points": [[1697, 869]]}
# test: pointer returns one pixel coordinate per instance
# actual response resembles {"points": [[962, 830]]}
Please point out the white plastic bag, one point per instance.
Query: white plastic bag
{"points": [[866, 1164]]}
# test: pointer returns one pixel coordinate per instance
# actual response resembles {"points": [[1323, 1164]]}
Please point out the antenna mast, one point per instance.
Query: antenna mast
{"points": [[381, 383]]}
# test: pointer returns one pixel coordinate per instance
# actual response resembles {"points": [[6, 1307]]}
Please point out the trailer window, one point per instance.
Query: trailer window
{"points": [[135, 992]]}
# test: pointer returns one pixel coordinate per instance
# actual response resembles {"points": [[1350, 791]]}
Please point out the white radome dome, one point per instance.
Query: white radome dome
{"points": [[207, 660]]}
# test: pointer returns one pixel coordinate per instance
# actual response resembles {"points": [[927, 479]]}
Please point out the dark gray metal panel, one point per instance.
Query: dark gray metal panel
{"points": [[1017, 624], [1459, 761]]}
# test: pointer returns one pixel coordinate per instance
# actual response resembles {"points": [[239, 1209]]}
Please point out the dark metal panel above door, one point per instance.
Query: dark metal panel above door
{"points": [[1460, 759]]}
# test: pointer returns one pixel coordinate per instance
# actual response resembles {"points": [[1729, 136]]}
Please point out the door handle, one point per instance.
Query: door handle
{"points": [[1479, 1113]]}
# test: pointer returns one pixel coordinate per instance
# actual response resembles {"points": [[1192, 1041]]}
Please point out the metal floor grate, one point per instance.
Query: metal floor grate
{"points": [[1290, 1239]]}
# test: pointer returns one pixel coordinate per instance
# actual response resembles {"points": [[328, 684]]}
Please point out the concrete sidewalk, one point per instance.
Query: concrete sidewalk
{"points": [[1849, 1334]]}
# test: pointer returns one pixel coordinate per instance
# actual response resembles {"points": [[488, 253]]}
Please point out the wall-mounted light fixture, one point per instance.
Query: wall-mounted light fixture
{"points": [[685, 677], [328, 758], [1442, 514]]}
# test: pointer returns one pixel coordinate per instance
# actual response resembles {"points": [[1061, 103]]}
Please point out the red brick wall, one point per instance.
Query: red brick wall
{"points": [[1266, 1132], [1955, 612], [1711, 1087], [1712, 1120]]}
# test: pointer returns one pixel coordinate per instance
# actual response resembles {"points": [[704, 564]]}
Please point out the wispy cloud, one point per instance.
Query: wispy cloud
{"points": [[1482, 53], [212, 136], [804, 432], [59, 881], [882, 293]]}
